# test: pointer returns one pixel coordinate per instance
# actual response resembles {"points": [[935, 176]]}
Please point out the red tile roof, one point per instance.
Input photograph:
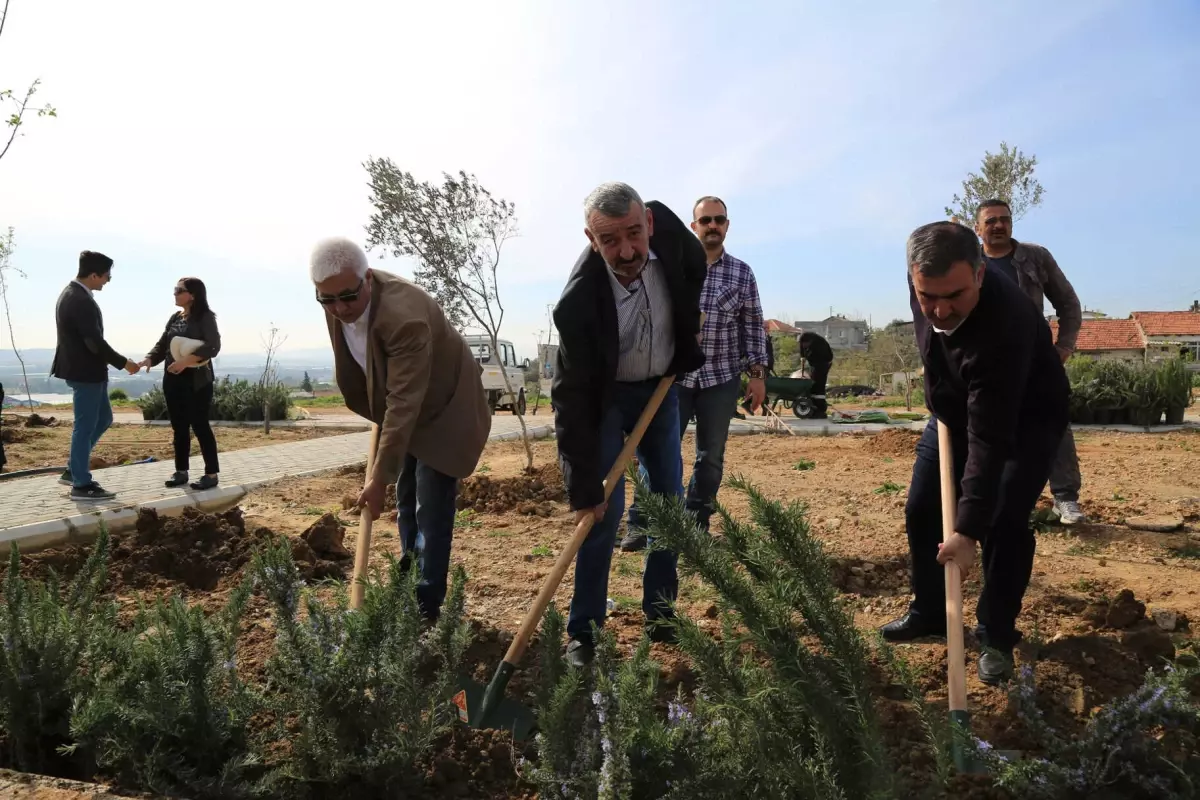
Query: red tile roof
{"points": [[775, 326], [1106, 334], [1169, 323]]}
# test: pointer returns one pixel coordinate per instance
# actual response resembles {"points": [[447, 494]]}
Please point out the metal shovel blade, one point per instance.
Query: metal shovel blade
{"points": [[479, 710]]}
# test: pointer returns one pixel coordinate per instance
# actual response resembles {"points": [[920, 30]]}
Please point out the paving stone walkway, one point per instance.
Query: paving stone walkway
{"points": [[39, 508]]}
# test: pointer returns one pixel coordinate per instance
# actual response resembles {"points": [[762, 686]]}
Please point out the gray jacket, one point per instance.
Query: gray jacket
{"points": [[1039, 277]]}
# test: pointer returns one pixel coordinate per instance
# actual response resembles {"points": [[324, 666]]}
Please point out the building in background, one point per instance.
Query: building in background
{"points": [[840, 332]]}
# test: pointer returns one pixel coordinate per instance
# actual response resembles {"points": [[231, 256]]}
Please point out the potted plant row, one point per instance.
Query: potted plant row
{"points": [[1124, 393]]}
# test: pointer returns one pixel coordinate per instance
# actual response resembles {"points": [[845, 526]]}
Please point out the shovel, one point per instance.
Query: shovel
{"points": [[362, 552], [489, 708]]}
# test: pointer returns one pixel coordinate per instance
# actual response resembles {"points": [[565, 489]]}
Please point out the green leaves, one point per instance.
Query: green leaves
{"points": [[1007, 175]]}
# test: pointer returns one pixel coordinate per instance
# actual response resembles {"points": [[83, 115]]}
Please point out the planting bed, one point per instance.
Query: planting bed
{"points": [[1094, 640]]}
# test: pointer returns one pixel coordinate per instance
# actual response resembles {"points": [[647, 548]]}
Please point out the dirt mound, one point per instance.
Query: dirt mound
{"points": [[193, 550], [11, 435], [36, 420], [892, 442], [870, 576], [325, 538], [526, 494]]}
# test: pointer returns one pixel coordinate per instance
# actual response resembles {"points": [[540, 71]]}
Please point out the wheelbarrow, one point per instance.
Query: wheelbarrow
{"points": [[793, 393]]}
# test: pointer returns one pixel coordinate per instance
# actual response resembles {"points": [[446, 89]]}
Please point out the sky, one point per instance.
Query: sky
{"points": [[223, 140]]}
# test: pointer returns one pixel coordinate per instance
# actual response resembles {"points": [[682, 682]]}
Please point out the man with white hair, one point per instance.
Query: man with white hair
{"points": [[402, 365], [629, 315]]}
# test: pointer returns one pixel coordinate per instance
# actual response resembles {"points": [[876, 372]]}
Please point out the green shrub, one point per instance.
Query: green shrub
{"points": [[153, 404], [359, 695], [118, 396], [170, 715], [49, 631]]}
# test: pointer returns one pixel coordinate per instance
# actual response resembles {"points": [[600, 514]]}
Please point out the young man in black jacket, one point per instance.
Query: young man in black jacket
{"points": [[629, 315], [993, 376], [82, 358]]}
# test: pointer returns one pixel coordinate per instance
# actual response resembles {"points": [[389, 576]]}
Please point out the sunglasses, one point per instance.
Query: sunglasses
{"points": [[180, 290], [342, 297], [720, 219]]}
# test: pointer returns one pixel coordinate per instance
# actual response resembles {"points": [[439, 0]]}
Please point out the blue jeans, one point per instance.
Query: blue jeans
{"points": [[658, 454], [425, 509], [1009, 547], [714, 407], [93, 416]]}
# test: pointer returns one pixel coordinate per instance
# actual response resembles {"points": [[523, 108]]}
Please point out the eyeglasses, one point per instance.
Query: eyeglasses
{"points": [[720, 219], [342, 297]]}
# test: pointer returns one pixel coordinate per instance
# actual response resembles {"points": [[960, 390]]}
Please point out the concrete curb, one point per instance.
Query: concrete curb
{"points": [[82, 528]]}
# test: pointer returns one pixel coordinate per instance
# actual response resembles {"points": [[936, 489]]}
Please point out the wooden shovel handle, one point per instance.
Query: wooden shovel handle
{"points": [[362, 552], [955, 648], [533, 617]]}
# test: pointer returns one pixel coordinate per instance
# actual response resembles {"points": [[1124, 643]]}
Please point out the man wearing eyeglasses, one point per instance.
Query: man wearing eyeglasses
{"points": [[629, 315], [1036, 272], [734, 341], [402, 365]]}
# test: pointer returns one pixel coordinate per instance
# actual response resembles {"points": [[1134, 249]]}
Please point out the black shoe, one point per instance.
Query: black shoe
{"points": [[662, 631], [995, 666], [634, 541], [178, 479], [580, 653], [207, 482], [912, 626], [93, 491], [738, 415], [65, 478]]}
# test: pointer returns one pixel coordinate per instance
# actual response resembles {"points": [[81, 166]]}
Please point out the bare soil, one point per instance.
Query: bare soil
{"points": [[1093, 594], [48, 446]]}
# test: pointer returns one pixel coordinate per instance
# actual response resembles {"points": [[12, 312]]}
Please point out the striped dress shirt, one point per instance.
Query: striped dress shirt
{"points": [[645, 324]]}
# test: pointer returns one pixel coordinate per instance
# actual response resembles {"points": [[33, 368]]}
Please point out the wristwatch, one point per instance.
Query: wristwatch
{"points": [[758, 372]]}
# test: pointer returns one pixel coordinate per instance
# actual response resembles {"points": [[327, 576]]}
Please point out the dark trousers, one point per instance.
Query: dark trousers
{"points": [[714, 407], [188, 407], [1065, 478], [658, 454], [1008, 549], [425, 510], [820, 374]]}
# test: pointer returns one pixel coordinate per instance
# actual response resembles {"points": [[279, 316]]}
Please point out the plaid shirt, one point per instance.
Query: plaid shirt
{"points": [[733, 337]]}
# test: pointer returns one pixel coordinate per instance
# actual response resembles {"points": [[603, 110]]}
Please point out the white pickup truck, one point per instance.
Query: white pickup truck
{"points": [[493, 380]]}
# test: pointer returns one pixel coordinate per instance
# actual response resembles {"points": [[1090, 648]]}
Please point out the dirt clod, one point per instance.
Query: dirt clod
{"points": [[325, 537], [1151, 643], [36, 420], [1123, 611]]}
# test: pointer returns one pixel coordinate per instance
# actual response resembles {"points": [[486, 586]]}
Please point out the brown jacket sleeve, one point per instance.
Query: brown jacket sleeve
{"points": [[408, 350], [1061, 295]]}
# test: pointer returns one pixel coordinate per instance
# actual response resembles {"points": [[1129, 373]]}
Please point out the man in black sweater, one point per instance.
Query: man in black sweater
{"points": [[629, 315], [993, 376], [82, 358]]}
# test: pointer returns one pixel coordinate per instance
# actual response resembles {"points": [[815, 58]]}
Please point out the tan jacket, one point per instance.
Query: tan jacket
{"points": [[1039, 277], [422, 385]]}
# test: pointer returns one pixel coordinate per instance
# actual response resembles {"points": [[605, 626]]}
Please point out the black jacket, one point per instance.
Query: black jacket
{"points": [[586, 366], [998, 383], [203, 328], [81, 353]]}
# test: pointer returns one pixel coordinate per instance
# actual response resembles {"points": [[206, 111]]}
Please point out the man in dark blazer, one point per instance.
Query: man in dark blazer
{"points": [[993, 376], [629, 315], [401, 364], [82, 358]]}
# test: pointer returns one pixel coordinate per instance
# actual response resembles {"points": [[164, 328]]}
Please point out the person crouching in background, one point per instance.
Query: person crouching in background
{"points": [[189, 377]]}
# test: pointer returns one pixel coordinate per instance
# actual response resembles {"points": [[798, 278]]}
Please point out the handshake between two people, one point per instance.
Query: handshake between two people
{"points": [[134, 367]]}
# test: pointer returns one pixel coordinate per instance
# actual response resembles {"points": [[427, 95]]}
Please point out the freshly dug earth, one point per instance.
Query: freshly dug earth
{"points": [[195, 551], [33, 447], [529, 493]]}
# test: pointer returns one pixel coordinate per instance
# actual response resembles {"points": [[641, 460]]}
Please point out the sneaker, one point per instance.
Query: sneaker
{"points": [[65, 478], [93, 491], [1068, 512]]}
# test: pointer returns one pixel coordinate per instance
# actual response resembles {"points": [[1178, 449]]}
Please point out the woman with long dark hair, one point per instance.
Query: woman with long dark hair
{"points": [[188, 344]]}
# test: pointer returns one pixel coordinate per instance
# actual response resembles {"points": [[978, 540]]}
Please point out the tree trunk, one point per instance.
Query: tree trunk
{"points": [[267, 417]]}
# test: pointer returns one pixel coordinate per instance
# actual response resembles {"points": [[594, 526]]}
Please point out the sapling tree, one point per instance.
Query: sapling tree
{"points": [[1007, 175], [271, 341], [6, 270], [21, 103], [456, 231]]}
